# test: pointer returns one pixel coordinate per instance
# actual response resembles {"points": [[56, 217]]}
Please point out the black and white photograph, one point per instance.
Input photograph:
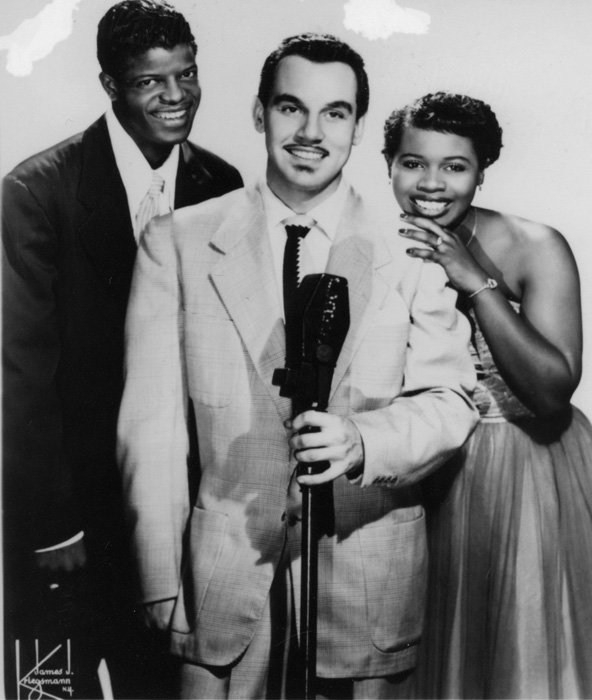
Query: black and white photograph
{"points": [[296, 326]]}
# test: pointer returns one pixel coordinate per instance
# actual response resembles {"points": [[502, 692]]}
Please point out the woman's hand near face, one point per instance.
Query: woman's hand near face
{"points": [[446, 248]]}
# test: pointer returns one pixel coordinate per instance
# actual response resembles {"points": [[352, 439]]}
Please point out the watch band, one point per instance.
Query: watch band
{"points": [[490, 284]]}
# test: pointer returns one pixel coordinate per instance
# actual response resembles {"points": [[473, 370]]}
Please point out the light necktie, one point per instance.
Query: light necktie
{"points": [[150, 205], [291, 280]]}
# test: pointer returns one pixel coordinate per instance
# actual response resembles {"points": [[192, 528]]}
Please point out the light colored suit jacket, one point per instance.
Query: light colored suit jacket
{"points": [[205, 323]]}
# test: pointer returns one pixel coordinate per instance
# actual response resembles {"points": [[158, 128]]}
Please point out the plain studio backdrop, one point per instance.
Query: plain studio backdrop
{"points": [[530, 59]]}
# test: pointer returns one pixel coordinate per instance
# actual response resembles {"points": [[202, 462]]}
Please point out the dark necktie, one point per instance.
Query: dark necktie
{"points": [[292, 263]]}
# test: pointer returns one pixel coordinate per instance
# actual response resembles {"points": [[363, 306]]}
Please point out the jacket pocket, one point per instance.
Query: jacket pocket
{"points": [[394, 556]]}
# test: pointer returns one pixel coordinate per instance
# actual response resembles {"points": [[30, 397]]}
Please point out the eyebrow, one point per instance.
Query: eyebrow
{"points": [[143, 76], [341, 104], [338, 104], [416, 155]]}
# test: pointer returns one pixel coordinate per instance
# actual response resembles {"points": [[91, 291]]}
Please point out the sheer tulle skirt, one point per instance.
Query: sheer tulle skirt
{"points": [[510, 593]]}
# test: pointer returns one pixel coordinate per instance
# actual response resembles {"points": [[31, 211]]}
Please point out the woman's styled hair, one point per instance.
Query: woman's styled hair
{"points": [[449, 114], [133, 27]]}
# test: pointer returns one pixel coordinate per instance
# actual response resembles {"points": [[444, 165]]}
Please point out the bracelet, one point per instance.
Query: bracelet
{"points": [[490, 284]]}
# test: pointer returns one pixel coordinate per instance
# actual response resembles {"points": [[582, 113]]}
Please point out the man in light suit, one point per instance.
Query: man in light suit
{"points": [[205, 323], [70, 229]]}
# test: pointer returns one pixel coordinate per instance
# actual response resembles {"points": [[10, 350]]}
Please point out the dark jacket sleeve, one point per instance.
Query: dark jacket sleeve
{"points": [[37, 486]]}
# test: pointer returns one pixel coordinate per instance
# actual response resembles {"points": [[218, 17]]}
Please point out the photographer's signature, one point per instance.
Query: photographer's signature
{"points": [[51, 675]]}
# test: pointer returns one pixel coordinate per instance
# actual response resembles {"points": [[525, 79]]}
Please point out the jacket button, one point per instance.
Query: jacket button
{"points": [[293, 520]]}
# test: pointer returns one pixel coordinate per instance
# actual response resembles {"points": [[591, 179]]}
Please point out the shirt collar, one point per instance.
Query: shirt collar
{"points": [[135, 170], [326, 215]]}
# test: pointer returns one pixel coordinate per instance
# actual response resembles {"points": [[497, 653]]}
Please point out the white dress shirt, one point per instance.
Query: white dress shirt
{"points": [[322, 220], [136, 172]]}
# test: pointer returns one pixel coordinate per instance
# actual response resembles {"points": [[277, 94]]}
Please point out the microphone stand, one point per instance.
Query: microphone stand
{"points": [[315, 332]]}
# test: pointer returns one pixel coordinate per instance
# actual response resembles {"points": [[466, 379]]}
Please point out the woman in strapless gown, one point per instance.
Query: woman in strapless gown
{"points": [[509, 607]]}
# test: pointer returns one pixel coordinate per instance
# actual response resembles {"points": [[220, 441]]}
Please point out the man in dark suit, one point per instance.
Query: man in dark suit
{"points": [[72, 218]]}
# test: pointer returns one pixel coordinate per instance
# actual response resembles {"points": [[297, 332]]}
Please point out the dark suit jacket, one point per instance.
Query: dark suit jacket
{"points": [[69, 252]]}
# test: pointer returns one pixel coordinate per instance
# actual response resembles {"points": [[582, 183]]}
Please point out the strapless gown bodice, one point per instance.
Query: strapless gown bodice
{"points": [[493, 398]]}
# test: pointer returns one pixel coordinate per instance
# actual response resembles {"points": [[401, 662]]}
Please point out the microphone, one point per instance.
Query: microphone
{"points": [[316, 328]]}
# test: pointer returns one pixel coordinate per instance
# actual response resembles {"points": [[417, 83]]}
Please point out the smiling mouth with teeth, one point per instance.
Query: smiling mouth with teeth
{"points": [[305, 154], [170, 116], [430, 206]]}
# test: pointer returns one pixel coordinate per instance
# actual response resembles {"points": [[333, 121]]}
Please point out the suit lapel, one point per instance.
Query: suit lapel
{"points": [[245, 279], [106, 233], [358, 254], [193, 180]]}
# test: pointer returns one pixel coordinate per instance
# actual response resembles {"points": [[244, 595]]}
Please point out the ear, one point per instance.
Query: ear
{"points": [[359, 130], [481, 178], [109, 86], [259, 115]]}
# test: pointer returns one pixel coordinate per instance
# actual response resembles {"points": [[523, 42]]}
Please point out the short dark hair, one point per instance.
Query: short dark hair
{"points": [[133, 27], [447, 113], [319, 48]]}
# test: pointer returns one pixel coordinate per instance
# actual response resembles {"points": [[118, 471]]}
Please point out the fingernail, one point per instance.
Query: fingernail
{"points": [[404, 216], [410, 251], [404, 232]]}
